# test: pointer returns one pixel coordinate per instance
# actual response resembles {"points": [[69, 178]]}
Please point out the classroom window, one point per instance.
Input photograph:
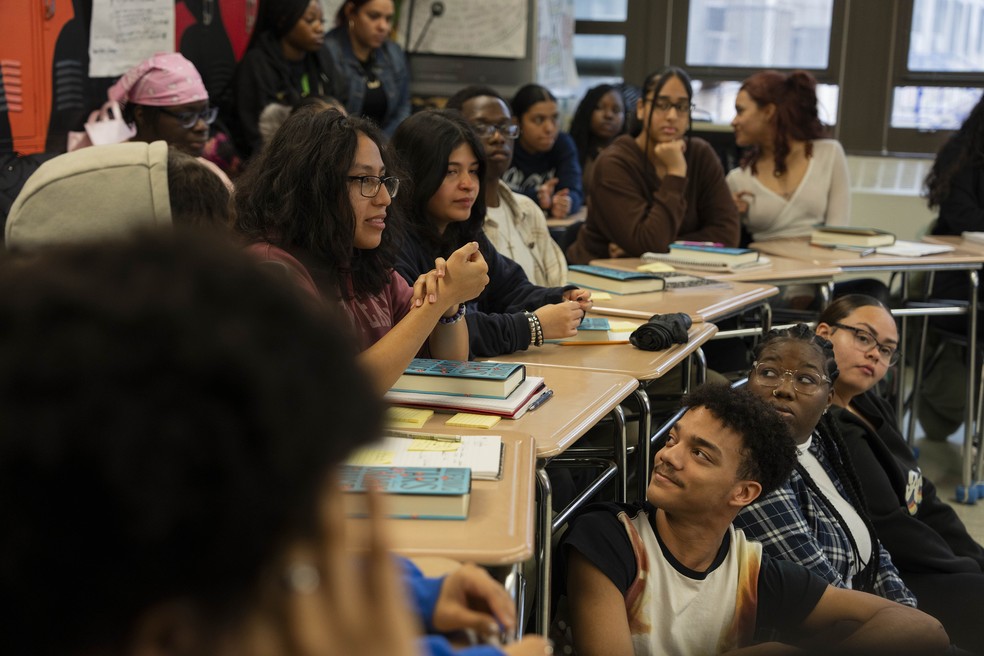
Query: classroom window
{"points": [[715, 100], [932, 108], [947, 36], [759, 33], [601, 10], [599, 55]]}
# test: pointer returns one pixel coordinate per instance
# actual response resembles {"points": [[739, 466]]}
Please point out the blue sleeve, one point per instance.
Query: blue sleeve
{"points": [[439, 646], [423, 591], [569, 170], [402, 74]]}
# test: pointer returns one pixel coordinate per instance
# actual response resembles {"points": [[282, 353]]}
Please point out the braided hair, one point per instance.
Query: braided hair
{"points": [[828, 437]]}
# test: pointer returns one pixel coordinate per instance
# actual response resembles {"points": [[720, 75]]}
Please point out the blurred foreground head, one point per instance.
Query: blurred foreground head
{"points": [[169, 414]]}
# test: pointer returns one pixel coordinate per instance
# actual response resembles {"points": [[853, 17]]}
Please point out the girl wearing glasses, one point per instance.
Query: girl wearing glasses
{"points": [[936, 557], [659, 186], [316, 203], [544, 166], [790, 178], [599, 118], [446, 209], [819, 517]]}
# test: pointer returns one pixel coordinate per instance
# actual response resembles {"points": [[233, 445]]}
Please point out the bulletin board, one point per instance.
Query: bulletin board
{"points": [[473, 28]]}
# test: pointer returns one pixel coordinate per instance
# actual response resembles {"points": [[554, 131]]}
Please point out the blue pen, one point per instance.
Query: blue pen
{"points": [[540, 400]]}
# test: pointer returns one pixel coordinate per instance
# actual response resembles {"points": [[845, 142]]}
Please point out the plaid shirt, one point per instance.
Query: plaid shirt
{"points": [[792, 523]]}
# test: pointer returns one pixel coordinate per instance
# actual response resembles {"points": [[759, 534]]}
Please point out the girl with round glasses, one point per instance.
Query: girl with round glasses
{"points": [[446, 210], [659, 186], [818, 518], [936, 557], [544, 165], [335, 234]]}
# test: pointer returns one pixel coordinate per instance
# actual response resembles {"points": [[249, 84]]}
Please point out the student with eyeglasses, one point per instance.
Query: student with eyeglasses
{"points": [[544, 166], [446, 209], [659, 186], [818, 517], [316, 206], [790, 178], [936, 557], [513, 223]]}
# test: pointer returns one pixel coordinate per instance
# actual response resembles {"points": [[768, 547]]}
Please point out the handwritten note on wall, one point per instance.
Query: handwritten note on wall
{"points": [[478, 28], [124, 32]]}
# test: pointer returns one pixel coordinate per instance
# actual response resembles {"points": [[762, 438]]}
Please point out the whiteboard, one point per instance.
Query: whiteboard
{"points": [[476, 28]]}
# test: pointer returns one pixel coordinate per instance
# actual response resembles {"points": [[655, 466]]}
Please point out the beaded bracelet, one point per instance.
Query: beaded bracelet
{"points": [[536, 329], [454, 318]]}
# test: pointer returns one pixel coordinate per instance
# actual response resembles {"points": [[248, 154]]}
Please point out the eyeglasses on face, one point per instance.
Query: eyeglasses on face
{"points": [[804, 382], [683, 107], [865, 341], [507, 130], [370, 184], [188, 120]]}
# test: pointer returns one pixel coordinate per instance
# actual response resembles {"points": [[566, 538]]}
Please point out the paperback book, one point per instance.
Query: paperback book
{"points": [[409, 492], [714, 254], [494, 380], [616, 281], [851, 236]]}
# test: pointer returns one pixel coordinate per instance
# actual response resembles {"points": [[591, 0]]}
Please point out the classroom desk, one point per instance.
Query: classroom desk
{"points": [[564, 231], [706, 303], [579, 402], [500, 528], [962, 259], [784, 271]]}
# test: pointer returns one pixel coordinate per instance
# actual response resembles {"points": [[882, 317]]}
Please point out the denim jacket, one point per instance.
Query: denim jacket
{"points": [[390, 67]]}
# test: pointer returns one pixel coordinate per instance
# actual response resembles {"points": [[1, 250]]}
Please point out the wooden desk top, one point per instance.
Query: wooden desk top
{"points": [[800, 249], [705, 303], [581, 399], [499, 528], [568, 221], [783, 271]]}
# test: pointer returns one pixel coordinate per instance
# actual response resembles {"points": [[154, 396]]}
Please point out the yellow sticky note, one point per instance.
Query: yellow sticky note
{"points": [[655, 267], [622, 326], [433, 445], [466, 420], [413, 417], [600, 296], [371, 458]]}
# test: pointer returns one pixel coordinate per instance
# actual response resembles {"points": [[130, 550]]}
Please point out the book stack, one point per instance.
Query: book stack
{"points": [[708, 258], [851, 237], [492, 388], [408, 492], [616, 281]]}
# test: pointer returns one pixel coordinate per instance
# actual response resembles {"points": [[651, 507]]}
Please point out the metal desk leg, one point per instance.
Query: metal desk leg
{"points": [[900, 371], [621, 457], [644, 454], [515, 585], [967, 493], [701, 366], [910, 431], [826, 291], [544, 505]]}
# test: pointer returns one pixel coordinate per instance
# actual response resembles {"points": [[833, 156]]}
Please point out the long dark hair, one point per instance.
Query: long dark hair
{"points": [[969, 144], [296, 194], [650, 90], [829, 438], [796, 117], [527, 96], [842, 306], [423, 143], [588, 145]]}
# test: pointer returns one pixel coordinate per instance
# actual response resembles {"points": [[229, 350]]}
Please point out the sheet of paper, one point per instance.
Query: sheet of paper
{"points": [[481, 453], [125, 32]]}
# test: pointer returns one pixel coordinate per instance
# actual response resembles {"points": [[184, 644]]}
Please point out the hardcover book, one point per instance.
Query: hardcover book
{"points": [[494, 380], [713, 254], [512, 407], [615, 281], [409, 492], [851, 236]]}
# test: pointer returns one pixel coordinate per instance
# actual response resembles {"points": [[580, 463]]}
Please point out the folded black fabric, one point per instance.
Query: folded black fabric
{"points": [[662, 331]]}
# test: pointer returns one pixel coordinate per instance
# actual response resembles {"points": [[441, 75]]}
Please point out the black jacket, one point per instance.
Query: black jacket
{"points": [[496, 323], [920, 531]]}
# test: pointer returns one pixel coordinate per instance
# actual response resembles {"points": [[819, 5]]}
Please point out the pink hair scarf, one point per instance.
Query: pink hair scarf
{"points": [[163, 80]]}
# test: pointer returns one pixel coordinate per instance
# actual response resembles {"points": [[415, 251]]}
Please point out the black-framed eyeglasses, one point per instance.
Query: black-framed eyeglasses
{"points": [[369, 185], [804, 382], [865, 341], [683, 107], [188, 120], [507, 130]]}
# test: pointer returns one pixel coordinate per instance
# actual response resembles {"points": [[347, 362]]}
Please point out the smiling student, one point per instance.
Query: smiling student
{"points": [[446, 210], [662, 185]]}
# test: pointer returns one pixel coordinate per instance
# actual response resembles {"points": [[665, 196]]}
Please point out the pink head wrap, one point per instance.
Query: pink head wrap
{"points": [[162, 80]]}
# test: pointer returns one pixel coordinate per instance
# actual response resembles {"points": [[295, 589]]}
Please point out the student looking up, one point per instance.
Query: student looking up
{"points": [[513, 222], [660, 186]]}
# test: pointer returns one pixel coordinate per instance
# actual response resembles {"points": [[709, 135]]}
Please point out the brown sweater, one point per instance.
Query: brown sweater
{"points": [[631, 207]]}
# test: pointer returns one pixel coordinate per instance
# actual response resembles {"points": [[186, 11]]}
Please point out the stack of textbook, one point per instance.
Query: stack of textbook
{"points": [[493, 388], [706, 257]]}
